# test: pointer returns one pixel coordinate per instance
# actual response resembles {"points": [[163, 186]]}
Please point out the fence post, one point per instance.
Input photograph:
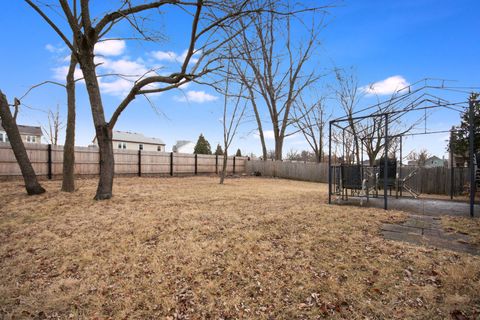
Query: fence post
{"points": [[49, 174], [233, 164], [139, 163], [196, 164], [216, 164], [171, 163]]}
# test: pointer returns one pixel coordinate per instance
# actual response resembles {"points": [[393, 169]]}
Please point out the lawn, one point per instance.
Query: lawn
{"points": [[188, 248]]}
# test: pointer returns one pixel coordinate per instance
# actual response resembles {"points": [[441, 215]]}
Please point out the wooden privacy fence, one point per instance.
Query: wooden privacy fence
{"points": [[47, 160], [426, 180]]}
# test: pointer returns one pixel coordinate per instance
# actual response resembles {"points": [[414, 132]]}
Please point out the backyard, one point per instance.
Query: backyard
{"points": [[189, 248]]}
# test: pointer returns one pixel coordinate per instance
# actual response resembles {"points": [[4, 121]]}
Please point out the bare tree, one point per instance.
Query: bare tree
{"points": [[55, 124], [275, 69], [232, 116], [311, 120], [88, 31], [348, 96], [371, 131], [419, 157], [9, 123]]}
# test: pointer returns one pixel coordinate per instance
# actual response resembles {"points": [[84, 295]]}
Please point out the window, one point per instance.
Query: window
{"points": [[159, 148], [31, 139], [122, 145], [140, 147], [1, 137]]}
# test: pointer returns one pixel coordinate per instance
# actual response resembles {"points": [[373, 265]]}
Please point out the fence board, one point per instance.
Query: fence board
{"points": [[426, 180], [126, 162]]}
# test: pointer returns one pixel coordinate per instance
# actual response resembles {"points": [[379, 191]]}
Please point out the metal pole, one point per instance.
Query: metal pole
{"points": [[233, 164], [139, 163], [49, 162], [385, 169], [401, 164], [196, 164], [330, 162], [171, 163], [452, 171], [471, 154], [216, 164]]}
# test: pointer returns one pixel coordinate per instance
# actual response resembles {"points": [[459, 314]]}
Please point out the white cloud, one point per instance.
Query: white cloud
{"points": [[53, 49], [59, 73], [387, 86], [110, 47], [196, 96], [267, 134], [170, 56], [108, 66]]}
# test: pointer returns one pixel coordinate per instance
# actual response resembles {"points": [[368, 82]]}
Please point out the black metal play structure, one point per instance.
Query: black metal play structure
{"points": [[382, 122]]}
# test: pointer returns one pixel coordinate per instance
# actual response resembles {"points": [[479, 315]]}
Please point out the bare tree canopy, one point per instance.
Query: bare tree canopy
{"points": [[272, 63], [82, 31]]}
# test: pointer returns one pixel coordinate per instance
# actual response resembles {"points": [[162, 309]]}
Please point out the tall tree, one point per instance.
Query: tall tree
{"points": [[238, 153], [460, 134], [202, 146], [68, 180], [273, 67], [9, 123], [87, 31], [233, 111], [219, 150]]}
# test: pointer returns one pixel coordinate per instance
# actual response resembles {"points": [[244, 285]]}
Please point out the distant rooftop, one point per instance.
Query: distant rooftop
{"points": [[135, 137], [26, 130]]}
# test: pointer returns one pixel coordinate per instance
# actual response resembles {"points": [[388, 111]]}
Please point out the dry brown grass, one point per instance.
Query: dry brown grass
{"points": [[188, 248], [463, 225]]}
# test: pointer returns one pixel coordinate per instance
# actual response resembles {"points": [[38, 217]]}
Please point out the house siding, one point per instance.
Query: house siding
{"points": [[136, 146]]}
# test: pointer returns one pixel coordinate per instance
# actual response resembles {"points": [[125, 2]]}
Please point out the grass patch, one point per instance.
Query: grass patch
{"points": [[189, 248], [463, 225]]}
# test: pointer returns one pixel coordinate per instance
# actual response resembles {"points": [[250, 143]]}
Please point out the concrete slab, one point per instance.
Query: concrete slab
{"points": [[428, 231], [430, 207]]}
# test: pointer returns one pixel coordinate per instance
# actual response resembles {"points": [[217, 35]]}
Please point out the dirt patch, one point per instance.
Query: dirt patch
{"points": [[191, 249]]}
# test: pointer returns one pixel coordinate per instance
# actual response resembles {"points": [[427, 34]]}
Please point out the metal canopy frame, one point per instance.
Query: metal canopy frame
{"points": [[404, 101]]}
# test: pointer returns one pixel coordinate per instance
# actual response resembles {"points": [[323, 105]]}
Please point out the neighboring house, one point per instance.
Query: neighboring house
{"points": [[126, 140], [412, 163], [183, 146], [29, 134], [434, 162]]}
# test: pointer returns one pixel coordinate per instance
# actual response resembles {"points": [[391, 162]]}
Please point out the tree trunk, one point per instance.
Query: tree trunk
{"points": [[102, 129], [10, 126], [68, 183], [260, 131], [223, 173], [105, 183], [278, 148]]}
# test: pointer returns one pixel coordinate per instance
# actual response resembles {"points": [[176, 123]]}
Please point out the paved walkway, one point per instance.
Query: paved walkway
{"points": [[424, 226], [428, 230], [430, 207]]}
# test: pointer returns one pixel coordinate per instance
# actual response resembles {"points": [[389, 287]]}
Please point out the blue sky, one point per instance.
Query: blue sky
{"points": [[380, 39]]}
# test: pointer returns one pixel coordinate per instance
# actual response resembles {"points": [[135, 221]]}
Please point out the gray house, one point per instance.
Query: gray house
{"points": [[127, 140], [29, 134], [434, 162]]}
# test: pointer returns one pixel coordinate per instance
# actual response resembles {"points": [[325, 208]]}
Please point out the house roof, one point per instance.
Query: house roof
{"points": [[128, 136], [433, 158], [27, 130]]}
